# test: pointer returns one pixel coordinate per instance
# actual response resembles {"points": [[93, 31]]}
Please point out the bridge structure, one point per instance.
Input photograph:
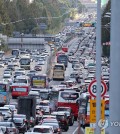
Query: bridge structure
{"points": [[28, 42]]}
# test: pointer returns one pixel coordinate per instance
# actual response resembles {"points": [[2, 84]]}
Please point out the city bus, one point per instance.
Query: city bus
{"points": [[39, 81], [4, 93], [69, 98], [15, 52], [19, 89], [65, 48], [58, 72], [62, 58], [25, 62]]}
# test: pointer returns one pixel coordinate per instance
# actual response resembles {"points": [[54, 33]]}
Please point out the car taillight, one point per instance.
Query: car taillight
{"points": [[14, 129], [58, 130]]}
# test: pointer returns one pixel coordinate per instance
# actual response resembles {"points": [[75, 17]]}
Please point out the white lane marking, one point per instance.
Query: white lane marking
{"points": [[75, 130]]}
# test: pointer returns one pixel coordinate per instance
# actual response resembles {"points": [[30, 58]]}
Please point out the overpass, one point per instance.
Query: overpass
{"points": [[26, 43]]}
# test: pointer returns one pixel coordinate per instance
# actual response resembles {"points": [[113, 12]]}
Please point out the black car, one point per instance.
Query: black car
{"points": [[19, 123], [62, 119], [69, 113]]}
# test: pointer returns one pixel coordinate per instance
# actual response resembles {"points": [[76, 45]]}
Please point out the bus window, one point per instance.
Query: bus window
{"points": [[20, 89], [69, 96]]}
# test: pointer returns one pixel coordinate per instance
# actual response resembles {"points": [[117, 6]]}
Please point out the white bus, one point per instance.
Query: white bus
{"points": [[25, 62]]}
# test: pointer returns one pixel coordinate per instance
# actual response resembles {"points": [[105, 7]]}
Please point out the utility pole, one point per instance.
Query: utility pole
{"points": [[115, 67], [98, 67]]}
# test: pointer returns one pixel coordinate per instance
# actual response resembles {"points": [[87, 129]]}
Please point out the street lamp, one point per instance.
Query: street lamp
{"points": [[22, 34]]}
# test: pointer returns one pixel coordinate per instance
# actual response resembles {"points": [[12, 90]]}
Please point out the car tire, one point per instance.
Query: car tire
{"points": [[72, 121], [66, 129]]}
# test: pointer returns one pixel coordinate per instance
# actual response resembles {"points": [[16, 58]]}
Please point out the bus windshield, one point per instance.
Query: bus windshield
{"points": [[69, 95], [58, 67], [20, 81], [24, 61], [20, 89], [39, 81], [2, 88], [62, 57], [15, 52]]}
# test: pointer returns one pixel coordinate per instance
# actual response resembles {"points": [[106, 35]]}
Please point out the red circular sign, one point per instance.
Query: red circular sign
{"points": [[92, 88]]}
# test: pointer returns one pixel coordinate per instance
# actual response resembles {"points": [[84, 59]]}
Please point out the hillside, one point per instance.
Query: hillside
{"points": [[21, 10]]}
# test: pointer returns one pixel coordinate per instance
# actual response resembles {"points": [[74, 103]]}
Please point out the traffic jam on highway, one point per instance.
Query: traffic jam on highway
{"points": [[32, 102]]}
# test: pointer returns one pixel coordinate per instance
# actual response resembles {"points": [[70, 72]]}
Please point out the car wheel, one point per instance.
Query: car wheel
{"points": [[72, 121], [66, 129]]}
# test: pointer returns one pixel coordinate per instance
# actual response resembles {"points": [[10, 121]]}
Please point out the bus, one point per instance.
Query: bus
{"points": [[25, 62], [65, 48], [4, 93], [58, 72], [62, 58], [69, 98], [22, 79], [19, 89], [39, 81], [15, 52]]}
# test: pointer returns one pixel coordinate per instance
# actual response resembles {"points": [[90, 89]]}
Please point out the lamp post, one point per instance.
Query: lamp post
{"points": [[22, 34]]}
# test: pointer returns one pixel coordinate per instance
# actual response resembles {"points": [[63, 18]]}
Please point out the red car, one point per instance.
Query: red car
{"points": [[38, 68]]}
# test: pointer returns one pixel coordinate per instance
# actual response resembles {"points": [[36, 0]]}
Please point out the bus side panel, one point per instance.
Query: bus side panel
{"points": [[74, 107]]}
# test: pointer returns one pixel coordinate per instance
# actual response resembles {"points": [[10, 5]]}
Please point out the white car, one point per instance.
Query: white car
{"points": [[2, 64], [7, 73], [21, 69], [41, 62], [43, 129], [8, 78]]}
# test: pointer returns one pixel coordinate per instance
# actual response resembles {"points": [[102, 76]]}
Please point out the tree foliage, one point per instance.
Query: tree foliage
{"points": [[28, 16]]}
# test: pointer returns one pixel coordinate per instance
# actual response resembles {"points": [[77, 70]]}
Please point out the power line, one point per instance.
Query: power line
{"points": [[55, 17]]}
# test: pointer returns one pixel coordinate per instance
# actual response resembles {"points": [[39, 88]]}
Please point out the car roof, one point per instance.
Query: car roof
{"points": [[4, 108], [42, 126], [58, 113]]}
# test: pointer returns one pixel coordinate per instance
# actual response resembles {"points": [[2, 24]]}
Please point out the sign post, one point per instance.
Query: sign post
{"points": [[92, 89], [93, 110]]}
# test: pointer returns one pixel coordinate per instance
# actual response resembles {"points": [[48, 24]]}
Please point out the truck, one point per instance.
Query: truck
{"points": [[27, 106]]}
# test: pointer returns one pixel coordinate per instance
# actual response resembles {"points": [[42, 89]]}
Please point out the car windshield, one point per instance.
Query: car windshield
{"points": [[19, 116], [41, 130], [63, 109], [44, 95], [16, 120], [6, 124], [44, 104], [60, 117], [5, 77], [4, 110]]}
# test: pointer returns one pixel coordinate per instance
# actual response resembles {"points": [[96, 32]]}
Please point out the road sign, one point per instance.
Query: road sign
{"points": [[43, 26], [89, 130], [93, 110], [92, 88]]}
